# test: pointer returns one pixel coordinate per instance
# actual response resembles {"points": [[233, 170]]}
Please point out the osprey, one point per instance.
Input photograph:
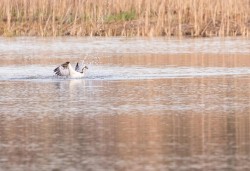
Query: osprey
{"points": [[66, 69]]}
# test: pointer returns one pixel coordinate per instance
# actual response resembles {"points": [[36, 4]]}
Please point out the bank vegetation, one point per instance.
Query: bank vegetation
{"points": [[194, 18]]}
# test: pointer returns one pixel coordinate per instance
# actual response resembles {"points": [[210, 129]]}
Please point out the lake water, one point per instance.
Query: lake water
{"points": [[145, 104]]}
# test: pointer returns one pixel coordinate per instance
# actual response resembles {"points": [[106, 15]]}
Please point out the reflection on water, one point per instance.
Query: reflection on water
{"points": [[142, 112], [169, 124], [68, 47]]}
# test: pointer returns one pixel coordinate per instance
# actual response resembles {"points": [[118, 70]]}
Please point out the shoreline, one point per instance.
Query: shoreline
{"points": [[120, 29]]}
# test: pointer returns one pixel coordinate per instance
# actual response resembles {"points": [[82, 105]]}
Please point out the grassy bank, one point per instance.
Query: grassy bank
{"points": [[125, 18]]}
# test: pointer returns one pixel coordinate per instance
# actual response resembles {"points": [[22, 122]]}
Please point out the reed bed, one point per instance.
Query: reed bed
{"points": [[125, 18]]}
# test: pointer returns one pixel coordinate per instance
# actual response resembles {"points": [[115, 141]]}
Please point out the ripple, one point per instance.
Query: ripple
{"points": [[102, 72], [68, 47]]}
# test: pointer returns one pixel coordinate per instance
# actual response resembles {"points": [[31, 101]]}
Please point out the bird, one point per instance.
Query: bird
{"points": [[66, 69]]}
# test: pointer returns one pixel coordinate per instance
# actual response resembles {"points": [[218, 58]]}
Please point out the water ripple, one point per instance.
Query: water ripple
{"points": [[36, 72], [68, 47]]}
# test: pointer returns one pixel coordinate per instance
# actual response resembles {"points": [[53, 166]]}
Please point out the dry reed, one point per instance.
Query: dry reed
{"points": [[125, 17]]}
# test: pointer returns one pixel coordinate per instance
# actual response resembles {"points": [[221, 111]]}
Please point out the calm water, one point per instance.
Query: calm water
{"points": [[145, 104]]}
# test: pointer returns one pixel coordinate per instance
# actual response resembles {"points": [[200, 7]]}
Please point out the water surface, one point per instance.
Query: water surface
{"points": [[145, 104]]}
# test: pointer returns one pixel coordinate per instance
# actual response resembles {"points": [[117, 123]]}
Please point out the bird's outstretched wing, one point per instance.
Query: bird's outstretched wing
{"points": [[62, 70], [79, 66]]}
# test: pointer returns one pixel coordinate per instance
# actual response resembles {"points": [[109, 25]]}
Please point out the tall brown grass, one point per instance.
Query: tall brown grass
{"points": [[125, 17]]}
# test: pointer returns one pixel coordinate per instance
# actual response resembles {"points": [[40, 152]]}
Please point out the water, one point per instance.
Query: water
{"points": [[145, 104]]}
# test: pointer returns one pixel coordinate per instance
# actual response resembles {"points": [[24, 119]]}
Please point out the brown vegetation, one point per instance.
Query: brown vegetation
{"points": [[125, 17]]}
